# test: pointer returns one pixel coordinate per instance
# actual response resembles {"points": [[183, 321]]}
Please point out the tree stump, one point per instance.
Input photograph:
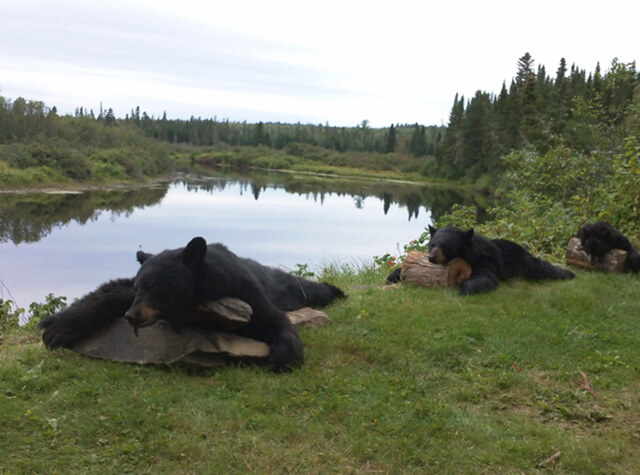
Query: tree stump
{"points": [[613, 261], [419, 269]]}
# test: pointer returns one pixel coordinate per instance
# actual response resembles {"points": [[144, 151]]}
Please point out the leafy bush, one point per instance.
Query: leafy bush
{"points": [[13, 317], [14, 178], [624, 199], [312, 152], [546, 198], [560, 174]]}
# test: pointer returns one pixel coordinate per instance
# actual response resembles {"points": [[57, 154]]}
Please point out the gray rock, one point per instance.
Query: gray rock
{"points": [[162, 344]]}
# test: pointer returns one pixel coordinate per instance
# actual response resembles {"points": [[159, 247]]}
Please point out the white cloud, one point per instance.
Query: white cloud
{"points": [[340, 62]]}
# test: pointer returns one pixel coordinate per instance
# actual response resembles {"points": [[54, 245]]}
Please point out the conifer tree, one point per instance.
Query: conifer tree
{"points": [[418, 141], [391, 140], [452, 148]]}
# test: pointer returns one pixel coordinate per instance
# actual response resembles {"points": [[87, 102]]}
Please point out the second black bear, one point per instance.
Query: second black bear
{"points": [[171, 284], [599, 238], [491, 260]]}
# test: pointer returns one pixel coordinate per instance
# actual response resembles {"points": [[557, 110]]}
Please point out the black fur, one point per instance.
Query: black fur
{"points": [[491, 260], [171, 284], [599, 238], [395, 276], [89, 314]]}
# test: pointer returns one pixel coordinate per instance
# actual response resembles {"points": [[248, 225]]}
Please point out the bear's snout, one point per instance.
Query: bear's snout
{"points": [[436, 256], [140, 316]]}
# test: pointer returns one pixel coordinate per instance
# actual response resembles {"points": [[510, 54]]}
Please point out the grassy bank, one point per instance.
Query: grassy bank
{"points": [[306, 159], [207, 160], [406, 380]]}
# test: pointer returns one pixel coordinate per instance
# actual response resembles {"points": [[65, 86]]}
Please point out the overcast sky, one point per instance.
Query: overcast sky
{"points": [[339, 62]]}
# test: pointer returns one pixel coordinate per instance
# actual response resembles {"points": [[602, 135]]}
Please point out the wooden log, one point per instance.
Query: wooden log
{"points": [[232, 313], [228, 312], [613, 261], [419, 269]]}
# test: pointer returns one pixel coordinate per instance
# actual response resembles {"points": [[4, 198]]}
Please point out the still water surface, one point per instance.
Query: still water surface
{"points": [[68, 244]]}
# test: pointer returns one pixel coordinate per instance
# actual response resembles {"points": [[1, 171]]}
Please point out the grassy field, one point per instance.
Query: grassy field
{"points": [[405, 380]]}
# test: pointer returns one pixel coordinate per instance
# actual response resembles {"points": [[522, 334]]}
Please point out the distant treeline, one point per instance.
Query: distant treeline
{"points": [[90, 146], [37, 146], [417, 140], [583, 112]]}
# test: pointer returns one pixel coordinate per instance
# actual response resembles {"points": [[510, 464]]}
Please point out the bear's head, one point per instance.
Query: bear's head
{"points": [[165, 285], [449, 243]]}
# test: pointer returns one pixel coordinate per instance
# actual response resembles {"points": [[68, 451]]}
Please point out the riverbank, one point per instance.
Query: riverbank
{"points": [[407, 380]]}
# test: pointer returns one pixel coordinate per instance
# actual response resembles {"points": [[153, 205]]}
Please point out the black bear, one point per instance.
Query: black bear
{"points": [[491, 260], [599, 238], [171, 284]]}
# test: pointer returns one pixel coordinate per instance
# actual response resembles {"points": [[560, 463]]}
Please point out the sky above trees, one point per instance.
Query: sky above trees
{"points": [[291, 61]]}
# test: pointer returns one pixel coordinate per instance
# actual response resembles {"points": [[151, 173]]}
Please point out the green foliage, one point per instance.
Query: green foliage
{"points": [[302, 270], [589, 115], [39, 311], [10, 316], [460, 216], [13, 318], [560, 174], [547, 198], [35, 138], [624, 198], [537, 222]]}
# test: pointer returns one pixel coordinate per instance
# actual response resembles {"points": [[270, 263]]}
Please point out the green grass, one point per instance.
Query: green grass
{"points": [[405, 380]]}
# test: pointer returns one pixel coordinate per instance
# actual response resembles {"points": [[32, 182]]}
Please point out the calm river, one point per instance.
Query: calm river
{"points": [[69, 243]]}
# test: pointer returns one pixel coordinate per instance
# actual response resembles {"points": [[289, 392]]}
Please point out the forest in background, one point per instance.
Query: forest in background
{"points": [[586, 112], [556, 151]]}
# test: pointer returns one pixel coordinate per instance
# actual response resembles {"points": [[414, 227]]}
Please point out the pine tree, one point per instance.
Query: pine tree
{"points": [[418, 141], [391, 140], [450, 160], [525, 70], [561, 98]]}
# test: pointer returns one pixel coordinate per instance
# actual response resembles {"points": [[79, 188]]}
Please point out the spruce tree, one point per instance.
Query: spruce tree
{"points": [[391, 140]]}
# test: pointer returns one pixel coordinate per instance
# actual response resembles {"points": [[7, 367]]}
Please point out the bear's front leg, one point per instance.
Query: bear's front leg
{"points": [[286, 350], [479, 282], [86, 316]]}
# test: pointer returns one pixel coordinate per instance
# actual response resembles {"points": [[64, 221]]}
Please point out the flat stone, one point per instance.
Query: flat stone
{"points": [[308, 317], [161, 344]]}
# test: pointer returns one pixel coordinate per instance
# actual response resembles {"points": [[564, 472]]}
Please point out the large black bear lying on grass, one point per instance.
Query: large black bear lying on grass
{"points": [[173, 283], [599, 238], [491, 260]]}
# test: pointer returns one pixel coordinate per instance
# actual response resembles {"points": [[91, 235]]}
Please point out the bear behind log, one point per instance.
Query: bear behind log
{"points": [[172, 284], [599, 238], [491, 260]]}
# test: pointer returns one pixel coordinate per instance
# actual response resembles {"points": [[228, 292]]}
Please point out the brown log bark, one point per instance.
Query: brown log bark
{"points": [[419, 269], [232, 313], [614, 261]]}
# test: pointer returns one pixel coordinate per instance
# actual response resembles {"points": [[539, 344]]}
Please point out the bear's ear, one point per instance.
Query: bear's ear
{"points": [[468, 234], [142, 256], [432, 231], [193, 254]]}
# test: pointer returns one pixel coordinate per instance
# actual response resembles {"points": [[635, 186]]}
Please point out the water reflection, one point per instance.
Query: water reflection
{"points": [[413, 197], [30, 217], [68, 244]]}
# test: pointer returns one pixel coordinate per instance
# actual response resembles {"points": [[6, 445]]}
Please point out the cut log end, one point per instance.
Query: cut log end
{"points": [[614, 261], [417, 268]]}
